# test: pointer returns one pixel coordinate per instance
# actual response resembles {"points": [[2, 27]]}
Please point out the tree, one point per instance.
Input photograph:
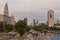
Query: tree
{"points": [[20, 27], [44, 28], [8, 27], [1, 26]]}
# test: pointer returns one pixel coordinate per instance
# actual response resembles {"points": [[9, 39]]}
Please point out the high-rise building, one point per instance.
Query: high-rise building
{"points": [[50, 17], [34, 22], [25, 21], [58, 21]]}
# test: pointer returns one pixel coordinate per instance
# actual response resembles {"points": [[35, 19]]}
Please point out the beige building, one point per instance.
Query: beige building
{"points": [[50, 18], [58, 21], [6, 18], [1, 18]]}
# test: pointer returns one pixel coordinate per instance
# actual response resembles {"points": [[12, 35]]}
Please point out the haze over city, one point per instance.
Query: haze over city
{"points": [[32, 9]]}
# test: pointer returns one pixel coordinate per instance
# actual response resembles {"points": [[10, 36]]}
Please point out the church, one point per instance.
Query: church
{"points": [[6, 18]]}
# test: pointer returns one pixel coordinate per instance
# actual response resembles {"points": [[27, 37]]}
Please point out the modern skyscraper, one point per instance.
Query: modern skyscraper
{"points": [[50, 18]]}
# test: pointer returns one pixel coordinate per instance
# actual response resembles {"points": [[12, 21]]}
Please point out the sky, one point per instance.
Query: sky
{"points": [[31, 9]]}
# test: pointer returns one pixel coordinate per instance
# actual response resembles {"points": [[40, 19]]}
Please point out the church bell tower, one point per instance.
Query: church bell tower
{"points": [[6, 11]]}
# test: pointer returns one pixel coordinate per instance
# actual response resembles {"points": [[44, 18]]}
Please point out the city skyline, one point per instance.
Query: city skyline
{"points": [[32, 9]]}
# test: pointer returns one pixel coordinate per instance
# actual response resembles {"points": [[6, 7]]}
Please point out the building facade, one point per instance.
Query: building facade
{"points": [[6, 18], [1, 18], [50, 18], [58, 21]]}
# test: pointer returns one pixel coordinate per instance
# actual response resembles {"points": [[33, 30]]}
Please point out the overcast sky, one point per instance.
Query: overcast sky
{"points": [[32, 9]]}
